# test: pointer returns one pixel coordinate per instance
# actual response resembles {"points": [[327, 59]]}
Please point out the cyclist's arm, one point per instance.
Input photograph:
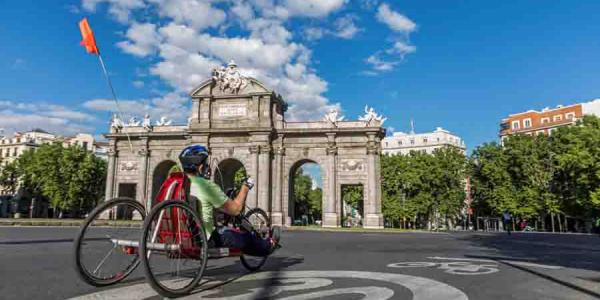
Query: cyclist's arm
{"points": [[234, 206]]}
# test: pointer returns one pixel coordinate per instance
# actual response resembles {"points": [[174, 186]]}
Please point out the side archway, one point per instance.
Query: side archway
{"points": [[305, 205], [229, 173], [160, 173]]}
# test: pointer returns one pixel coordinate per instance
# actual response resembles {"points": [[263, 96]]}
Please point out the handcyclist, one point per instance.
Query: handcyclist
{"points": [[194, 160]]}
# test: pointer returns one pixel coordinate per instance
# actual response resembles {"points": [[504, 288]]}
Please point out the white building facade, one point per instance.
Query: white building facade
{"points": [[403, 143], [12, 147]]}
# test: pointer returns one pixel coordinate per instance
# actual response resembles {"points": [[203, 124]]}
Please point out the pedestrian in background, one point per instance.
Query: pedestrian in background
{"points": [[506, 217]]}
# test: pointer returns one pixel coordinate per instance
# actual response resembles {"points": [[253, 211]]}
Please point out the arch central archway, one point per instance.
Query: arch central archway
{"points": [[229, 173], [306, 193]]}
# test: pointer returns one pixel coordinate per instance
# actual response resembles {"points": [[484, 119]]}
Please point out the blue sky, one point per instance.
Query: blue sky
{"points": [[461, 65]]}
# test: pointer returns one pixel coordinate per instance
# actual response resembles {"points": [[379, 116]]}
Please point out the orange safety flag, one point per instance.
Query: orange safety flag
{"points": [[89, 42]]}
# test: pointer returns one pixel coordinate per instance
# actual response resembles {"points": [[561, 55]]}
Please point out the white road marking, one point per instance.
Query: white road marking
{"points": [[500, 259], [461, 259], [369, 293], [455, 268], [421, 288], [528, 264]]}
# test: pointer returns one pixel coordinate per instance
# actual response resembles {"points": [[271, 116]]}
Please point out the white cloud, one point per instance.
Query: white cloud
{"points": [[382, 61], [345, 27], [379, 64], [402, 48], [269, 31], [119, 9], [142, 39], [395, 20], [174, 106], [243, 10], [368, 4], [199, 14], [313, 33], [313, 8], [21, 116], [186, 39]]}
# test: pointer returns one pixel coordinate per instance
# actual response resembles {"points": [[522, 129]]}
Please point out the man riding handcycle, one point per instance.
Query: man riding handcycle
{"points": [[178, 235]]}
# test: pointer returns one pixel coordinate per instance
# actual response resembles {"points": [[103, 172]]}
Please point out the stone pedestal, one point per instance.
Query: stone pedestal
{"points": [[331, 220], [277, 218], [373, 221]]}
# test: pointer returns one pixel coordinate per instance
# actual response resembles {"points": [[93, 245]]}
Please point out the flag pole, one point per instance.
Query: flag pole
{"points": [[112, 90]]}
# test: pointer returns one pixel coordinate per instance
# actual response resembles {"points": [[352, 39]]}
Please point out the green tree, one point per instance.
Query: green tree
{"points": [[423, 187], [238, 178], [9, 175], [71, 178]]}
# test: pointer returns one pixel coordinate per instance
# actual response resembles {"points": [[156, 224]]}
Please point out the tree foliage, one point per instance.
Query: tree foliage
{"points": [[71, 178], [537, 176], [423, 188], [307, 201]]}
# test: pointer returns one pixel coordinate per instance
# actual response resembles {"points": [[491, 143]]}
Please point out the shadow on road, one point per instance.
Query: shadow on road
{"points": [[570, 251], [230, 273]]}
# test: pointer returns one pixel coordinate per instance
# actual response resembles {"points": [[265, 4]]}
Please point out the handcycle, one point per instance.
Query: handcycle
{"points": [[170, 243]]}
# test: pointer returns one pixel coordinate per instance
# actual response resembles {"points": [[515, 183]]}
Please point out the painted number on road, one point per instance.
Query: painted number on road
{"points": [[303, 284]]}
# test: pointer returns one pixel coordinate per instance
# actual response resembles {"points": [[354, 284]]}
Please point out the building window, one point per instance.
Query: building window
{"points": [[425, 140], [551, 130], [400, 143], [15, 152], [386, 144], [515, 124], [527, 123], [570, 116], [557, 118], [545, 120], [412, 142]]}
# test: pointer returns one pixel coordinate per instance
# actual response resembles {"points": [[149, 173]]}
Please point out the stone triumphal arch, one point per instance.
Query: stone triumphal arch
{"points": [[242, 122]]}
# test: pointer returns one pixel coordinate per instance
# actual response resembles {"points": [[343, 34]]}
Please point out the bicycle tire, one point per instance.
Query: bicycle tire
{"points": [[79, 267], [253, 267], [150, 276]]}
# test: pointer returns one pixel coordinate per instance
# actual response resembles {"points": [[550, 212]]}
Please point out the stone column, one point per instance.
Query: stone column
{"points": [[110, 177], [142, 189], [330, 215], [253, 172], [264, 178], [110, 172], [373, 215], [276, 208]]}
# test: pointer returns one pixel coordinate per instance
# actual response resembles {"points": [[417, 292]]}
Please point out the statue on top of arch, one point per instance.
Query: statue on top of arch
{"points": [[332, 117], [370, 116], [229, 79]]}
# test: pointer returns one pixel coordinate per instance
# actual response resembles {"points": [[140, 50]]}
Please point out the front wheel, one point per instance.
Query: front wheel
{"points": [[261, 225], [105, 248], [173, 248]]}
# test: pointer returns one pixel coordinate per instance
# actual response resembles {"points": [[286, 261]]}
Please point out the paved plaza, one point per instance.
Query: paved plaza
{"points": [[336, 265]]}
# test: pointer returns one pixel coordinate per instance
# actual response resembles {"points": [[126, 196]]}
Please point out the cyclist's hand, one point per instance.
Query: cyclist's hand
{"points": [[249, 182]]}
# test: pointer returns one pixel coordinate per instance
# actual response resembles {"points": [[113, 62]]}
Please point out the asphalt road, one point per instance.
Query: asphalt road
{"points": [[36, 263]]}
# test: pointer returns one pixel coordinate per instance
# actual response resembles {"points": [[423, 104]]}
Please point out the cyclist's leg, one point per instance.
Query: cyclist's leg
{"points": [[245, 241]]}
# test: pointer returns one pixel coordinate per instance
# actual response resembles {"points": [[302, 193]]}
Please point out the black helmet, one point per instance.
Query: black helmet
{"points": [[193, 156]]}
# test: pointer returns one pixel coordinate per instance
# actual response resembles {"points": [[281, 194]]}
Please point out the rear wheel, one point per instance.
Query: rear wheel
{"points": [[104, 248], [261, 223], [173, 248]]}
